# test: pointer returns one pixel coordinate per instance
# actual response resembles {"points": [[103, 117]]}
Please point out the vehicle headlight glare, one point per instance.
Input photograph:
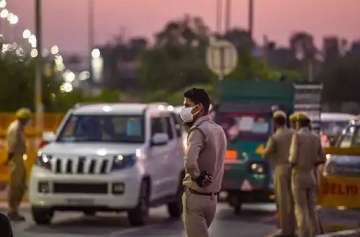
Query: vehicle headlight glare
{"points": [[43, 161], [123, 161], [257, 168]]}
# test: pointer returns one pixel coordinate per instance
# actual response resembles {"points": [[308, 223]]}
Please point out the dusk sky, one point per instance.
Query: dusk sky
{"points": [[65, 21]]}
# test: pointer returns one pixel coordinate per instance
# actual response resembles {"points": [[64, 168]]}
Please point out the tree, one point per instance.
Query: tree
{"points": [[341, 80], [304, 49], [177, 59], [17, 83]]}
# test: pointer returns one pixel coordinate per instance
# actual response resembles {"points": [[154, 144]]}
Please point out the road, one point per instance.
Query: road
{"points": [[255, 220]]}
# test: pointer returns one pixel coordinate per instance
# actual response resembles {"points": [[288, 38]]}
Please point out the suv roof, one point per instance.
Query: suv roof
{"points": [[117, 108], [337, 117]]}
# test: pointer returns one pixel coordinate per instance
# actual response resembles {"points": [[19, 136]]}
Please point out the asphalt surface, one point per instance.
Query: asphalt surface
{"points": [[254, 221]]}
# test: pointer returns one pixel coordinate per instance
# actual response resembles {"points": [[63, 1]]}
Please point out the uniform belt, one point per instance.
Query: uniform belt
{"points": [[201, 193]]}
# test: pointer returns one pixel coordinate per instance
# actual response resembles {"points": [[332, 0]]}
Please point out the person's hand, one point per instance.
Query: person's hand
{"points": [[204, 179]]}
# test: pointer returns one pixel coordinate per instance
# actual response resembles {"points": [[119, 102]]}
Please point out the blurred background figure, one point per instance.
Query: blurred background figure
{"points": [[305, 154], [16, 151], [277, 151]]}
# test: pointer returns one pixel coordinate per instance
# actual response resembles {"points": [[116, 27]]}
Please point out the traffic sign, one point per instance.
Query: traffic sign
{"points": [[221, 57]]}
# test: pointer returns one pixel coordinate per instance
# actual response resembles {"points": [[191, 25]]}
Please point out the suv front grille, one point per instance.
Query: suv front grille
{"points": [[88, 188], [81, 165]]}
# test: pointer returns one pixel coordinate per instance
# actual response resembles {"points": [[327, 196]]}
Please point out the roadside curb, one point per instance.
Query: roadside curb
{"points": [[351, 233]]}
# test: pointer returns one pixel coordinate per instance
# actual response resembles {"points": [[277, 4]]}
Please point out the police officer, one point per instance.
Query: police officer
{"points": [[292, 121], [277, 151], [204, 163], [305, 154], [16, 150]]}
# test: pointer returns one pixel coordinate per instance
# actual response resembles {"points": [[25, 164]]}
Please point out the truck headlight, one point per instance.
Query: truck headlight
{"points": [[257, 168], [43, 161], [123, 161]]}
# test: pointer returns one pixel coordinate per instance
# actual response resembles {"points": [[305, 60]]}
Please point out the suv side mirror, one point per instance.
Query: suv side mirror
{"points": [[159, 139], [47, 137]]}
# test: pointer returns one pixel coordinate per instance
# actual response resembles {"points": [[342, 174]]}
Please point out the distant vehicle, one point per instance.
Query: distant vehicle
{"points": [[331, 126], [110, 157], [340, 180], [245, 113]]}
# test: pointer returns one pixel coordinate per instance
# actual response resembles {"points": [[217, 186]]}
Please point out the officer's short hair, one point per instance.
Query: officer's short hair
{"points": [[198, 96]]}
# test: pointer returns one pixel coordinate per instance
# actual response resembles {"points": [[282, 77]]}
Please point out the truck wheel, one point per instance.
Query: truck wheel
{"points": [[42, 216], [238, 208], [140, 213], [89, 213]]}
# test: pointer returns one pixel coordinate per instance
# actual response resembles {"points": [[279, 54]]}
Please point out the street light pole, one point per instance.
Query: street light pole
{"points": [[228, 16], [38, 72], [218, 16], [90, 35], [251, 17]]}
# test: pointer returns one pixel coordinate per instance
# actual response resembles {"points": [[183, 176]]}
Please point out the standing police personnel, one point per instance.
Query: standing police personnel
{"points": [[16, 150], [277, 151], [305, 154], [204, 163], [292, 121]]}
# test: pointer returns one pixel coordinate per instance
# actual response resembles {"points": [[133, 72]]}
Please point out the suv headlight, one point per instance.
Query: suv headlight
{"points": [[43, 161], [123, 161], [257, 168]]}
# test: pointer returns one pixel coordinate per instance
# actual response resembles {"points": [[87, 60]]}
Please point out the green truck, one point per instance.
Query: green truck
{"points": [[245, 112]]}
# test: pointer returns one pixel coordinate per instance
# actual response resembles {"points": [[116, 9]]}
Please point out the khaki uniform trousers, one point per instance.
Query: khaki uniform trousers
{"points": [[305, 205], [17, 184], [284, 200], [198, 213]]}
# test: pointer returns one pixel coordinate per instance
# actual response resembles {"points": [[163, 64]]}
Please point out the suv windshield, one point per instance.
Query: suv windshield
{"points": [[244, 127], [100, 128], [333, 127], [350, 137]]}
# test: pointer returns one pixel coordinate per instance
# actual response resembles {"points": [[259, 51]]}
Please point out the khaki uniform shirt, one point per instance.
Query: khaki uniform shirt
{"points": [[278, 147], [206, 152], [16, 139], [305, 153]]}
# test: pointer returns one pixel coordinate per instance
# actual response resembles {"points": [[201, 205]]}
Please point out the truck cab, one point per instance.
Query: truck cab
{"points": [[245, 113]]}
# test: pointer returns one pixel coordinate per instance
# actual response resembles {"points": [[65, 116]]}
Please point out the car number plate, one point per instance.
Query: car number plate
{"points": [[80, 201]]}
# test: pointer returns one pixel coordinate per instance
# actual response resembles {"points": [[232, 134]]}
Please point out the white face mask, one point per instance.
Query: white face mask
{"points": [[186, 115]]}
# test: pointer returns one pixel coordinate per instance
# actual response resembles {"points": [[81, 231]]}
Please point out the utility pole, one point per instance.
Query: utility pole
{"points": [[251, 18], [39, 110], [90, 35], [218, 16], [228, 16]]}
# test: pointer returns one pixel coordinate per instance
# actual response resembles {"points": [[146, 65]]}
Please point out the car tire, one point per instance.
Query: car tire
{"points": [[42, 216], [139, 215], [175, 207], [89, 213]]}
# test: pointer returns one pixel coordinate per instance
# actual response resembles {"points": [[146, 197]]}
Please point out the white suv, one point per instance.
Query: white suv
{"points": [[111, 157]]}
